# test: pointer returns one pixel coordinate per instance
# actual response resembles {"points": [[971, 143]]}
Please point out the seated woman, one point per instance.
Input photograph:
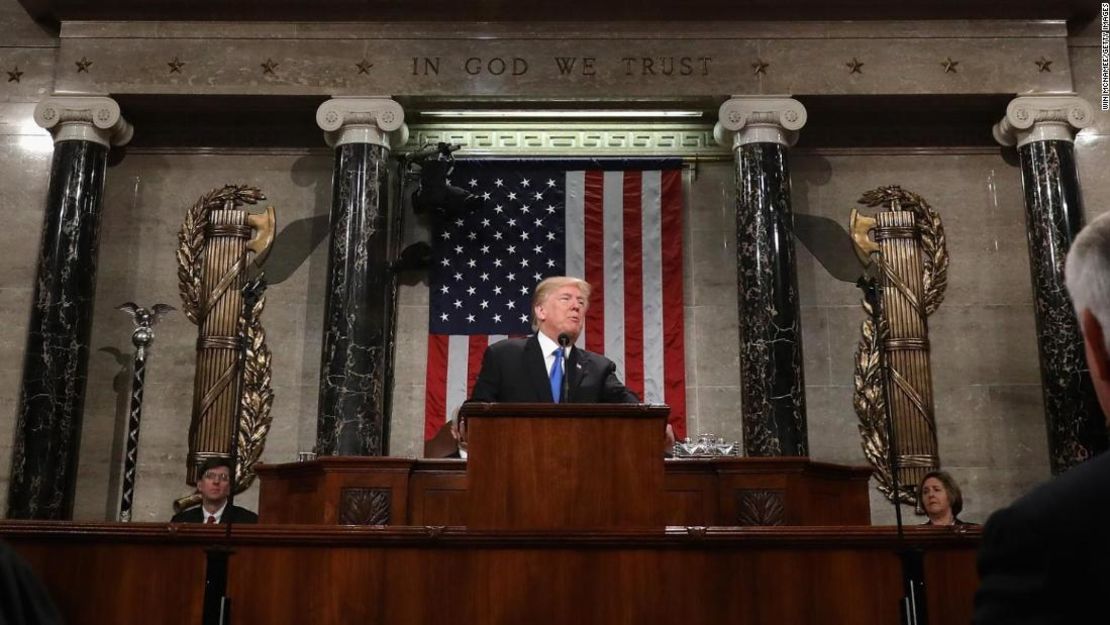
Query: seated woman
{"points": [[941, 499]]}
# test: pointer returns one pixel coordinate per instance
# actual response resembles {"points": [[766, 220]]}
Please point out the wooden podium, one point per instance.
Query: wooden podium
{"points": [[565, 466]]}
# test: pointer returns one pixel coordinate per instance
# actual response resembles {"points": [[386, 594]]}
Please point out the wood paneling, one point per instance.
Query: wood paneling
{"points": [[700, 491], [145, 573]]}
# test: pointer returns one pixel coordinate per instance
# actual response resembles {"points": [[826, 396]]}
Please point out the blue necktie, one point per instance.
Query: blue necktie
{"points": [[557, 376]]}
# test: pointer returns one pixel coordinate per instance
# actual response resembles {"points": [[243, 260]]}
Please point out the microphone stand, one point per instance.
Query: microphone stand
{"points": [[912, 603], [217, 604]]}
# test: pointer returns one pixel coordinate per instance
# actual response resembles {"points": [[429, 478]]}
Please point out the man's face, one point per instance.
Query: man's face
{"points": [[563, 310], [215, 485]]}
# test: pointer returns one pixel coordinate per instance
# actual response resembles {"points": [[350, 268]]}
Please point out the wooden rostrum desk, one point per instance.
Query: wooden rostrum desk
{"points": [[592, 466], [746, 541]]}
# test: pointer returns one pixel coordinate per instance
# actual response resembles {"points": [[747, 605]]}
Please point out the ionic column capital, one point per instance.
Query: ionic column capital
{"points": [[1043, 118], [84, 118], [379, 120], [759, 119]]}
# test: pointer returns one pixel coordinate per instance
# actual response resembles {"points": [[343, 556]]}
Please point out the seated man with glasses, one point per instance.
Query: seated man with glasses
{"points": [[214, 487]]}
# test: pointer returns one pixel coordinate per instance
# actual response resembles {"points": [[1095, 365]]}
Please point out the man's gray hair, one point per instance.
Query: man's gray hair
{"points": [[549, 285], [1087, 271]]}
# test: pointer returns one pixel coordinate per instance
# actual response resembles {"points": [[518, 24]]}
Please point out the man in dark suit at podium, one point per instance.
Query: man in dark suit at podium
{"points": [[1046, 558], [214, 486], [547, 367]]}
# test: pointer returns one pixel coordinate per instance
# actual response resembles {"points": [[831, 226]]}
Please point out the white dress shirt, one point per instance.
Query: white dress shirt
{"points": [[548, 347], [216, 515]]}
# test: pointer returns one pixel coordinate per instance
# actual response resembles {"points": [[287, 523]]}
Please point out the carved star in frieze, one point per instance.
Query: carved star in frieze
{"points": [[855, 66], [83, 65], [760, 66], [364, 66], [14, 74], [175, 65], [1043, 64], [949, 65], [269, 66]]}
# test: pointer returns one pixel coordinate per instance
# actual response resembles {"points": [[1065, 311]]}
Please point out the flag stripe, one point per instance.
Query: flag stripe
{"points": [[458, 352], [576, 233], [435, 381], [576, 208], [475, 350], [652, 289], [612, 239], [594, 257], [674, 374], [633, 283]]}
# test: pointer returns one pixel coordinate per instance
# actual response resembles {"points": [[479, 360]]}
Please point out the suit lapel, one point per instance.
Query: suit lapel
{"points": [[576, 369], [536, 371]]}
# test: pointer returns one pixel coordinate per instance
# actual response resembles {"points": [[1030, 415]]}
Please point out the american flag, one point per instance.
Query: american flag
{"points": [[617, 223]]}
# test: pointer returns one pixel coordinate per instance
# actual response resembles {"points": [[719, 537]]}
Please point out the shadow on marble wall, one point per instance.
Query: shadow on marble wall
{"points": [[121, 386]]}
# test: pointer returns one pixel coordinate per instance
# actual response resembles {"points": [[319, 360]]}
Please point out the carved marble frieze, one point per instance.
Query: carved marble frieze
{"points": [[656, 60]]}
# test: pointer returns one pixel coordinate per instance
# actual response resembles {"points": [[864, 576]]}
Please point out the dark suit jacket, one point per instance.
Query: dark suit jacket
{"points": [[23, 599], [1046, 558], [232, 513], [513, 371]]}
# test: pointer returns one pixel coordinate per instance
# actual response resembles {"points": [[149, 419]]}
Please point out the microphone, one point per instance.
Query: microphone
{"points": [[564, 342]]}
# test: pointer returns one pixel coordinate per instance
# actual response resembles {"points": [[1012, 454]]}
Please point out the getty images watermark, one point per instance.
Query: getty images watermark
{"points": [[1104, 56]]}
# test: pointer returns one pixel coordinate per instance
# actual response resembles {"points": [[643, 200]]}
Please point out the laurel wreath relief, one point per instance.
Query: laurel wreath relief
{"points": [[256, 395], [868, 399]]}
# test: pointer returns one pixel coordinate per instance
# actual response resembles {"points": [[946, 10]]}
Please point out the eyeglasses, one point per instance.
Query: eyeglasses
{"points": [[212, 476]]}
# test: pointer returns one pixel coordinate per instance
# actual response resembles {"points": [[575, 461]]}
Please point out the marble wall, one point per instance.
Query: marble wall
{"points": [[1092, 145], [990, 424]]}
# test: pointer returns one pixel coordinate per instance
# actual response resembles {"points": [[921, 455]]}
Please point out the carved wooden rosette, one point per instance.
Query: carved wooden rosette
{"points": [[217, 241], [906, 244]]}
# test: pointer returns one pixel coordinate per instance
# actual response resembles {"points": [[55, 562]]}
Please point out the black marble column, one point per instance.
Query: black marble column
{"points": [[52, 395], [52, 389], [771, 377], [1054, 216], [773, 412], [357, 360], [1043, 129]]}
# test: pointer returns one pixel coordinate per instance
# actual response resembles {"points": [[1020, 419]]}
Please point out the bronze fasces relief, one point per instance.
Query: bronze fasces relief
{"points": [[219, 243], [903, 248]]}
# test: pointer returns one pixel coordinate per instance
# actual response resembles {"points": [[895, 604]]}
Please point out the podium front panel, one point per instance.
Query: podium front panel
{"points": [[569, 466]]}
